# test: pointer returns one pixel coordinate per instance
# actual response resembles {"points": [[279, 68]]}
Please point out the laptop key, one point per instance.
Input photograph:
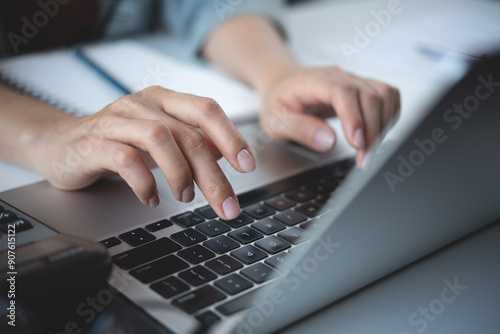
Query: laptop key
{"points": [[149, 252], [213, 228], [278, 260], [243, 219], [159, 269], [340, 170], [300, 195], [233, 284], [221, 244], [280, 203], [268, 226], [272, 244], [197, 276], [20, 224], [169, 287], [198, 299], [187, 219], [7, 216], [323, 199], [309, 209], [248, 254], [196, 254], [258, 211], [111, 242], [321, 188], [259, 273], [238, 304], [159, 225], [206, 212], [137, 237], [290, 217], [294, 235], [298, 250], [311, 225], [223, 265], [245, 235], [188, 237], [334, 181], [208, 318]]}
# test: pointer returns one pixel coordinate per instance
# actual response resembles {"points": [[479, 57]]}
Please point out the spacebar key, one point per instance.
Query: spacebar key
{"points": [[198, 299]]}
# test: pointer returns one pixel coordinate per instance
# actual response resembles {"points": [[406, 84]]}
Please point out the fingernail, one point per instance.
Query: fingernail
{"points": [[155, 200], [359, 139], [246, 161], [368, 159], [324, 139], [231, 208], [188, 194]]}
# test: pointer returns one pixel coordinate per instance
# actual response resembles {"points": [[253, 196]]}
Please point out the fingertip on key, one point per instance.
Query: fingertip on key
{"points": [[231, 208]]}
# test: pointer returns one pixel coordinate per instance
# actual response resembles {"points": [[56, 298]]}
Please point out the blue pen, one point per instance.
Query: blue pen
{"points": [[81, 55]]}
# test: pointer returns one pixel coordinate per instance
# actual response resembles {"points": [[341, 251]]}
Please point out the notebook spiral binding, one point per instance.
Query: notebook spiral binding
{"points": [[19, 85]]}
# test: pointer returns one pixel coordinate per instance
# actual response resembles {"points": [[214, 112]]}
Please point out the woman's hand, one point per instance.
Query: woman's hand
{"points": [[295, 99], [184, 135], [294, 107]]}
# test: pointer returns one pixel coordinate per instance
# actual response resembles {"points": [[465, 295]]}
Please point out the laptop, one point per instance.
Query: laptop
{"points": [[313, 227]]}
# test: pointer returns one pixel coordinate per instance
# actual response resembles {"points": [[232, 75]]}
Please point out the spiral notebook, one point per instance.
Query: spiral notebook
{"points": [[59, 78]]}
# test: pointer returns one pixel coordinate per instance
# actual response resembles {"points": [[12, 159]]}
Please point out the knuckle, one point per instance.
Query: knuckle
{"points": [[209, 108], [387, 92], [193, 141], [125, 157], [156, 131], [348, 89]]}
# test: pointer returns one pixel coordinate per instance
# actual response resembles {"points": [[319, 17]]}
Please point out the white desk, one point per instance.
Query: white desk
{"points": [[392, 56]]}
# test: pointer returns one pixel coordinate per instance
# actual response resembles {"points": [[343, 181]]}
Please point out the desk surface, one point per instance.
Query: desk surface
{"points": [[409, 301]]}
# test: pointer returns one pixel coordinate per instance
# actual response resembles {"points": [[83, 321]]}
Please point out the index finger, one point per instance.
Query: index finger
{"points": [[207, 115]]}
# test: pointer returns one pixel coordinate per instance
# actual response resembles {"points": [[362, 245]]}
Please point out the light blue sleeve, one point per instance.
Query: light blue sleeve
{"points": [[194, 20]]}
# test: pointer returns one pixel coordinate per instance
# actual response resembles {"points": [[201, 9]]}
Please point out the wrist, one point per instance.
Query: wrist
{"points": [[37, 140], [271, 70]]}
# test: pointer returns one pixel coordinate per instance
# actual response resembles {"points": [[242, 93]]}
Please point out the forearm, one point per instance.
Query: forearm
{"points": [[251, 49], [24, 123]]}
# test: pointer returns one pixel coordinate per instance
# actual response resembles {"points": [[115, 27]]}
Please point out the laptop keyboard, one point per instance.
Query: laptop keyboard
{"points": [[213, 267], [17, 225]]}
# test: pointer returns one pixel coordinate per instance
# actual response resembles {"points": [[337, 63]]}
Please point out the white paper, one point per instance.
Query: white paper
{"points": [[137, 66]]}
